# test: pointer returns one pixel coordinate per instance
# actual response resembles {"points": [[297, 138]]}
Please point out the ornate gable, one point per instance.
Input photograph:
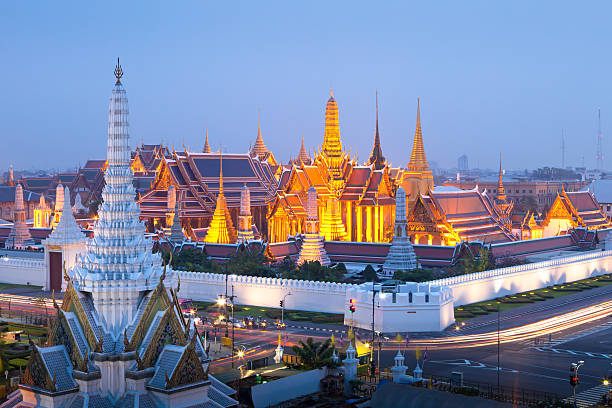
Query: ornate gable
{"points": [[189, 369], [72, 303], [61, 335], [158, 301], [36, 374], [421, 219], [559, 209], [169, 331]]}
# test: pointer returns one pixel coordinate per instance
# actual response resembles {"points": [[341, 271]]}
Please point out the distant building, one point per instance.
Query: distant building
{"points": [[541, 193], [462, 163], [602, 190]]}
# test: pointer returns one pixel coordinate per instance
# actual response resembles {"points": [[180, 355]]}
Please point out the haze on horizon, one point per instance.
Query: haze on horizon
{"points": [[491, 77]]}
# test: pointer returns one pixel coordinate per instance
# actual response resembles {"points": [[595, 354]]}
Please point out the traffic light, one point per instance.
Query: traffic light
{"points": [[573, 377], [281, 303], [352, 306]]}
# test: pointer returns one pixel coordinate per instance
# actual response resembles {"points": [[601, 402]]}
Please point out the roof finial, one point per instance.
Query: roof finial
{"points": [[221, 171], [118, 72], [331, 91]]}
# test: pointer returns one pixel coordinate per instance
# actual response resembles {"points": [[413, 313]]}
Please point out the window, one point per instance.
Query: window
{"points": [[410, 297], [427, 298]]}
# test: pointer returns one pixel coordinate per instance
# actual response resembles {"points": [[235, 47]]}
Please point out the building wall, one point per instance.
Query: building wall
{"points": [[249, 290], [487, 285], [22, 271], [415, 308]]}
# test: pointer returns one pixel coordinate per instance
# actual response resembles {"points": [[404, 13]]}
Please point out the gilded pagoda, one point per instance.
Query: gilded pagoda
{"points": [[356, 202]]}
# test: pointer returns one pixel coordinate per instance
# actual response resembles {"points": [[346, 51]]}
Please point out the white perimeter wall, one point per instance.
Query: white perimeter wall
{"points": [[22, 271], [305, 295], [477, 287]]}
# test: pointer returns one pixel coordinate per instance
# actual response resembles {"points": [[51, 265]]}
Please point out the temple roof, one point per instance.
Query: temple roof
{"points": [[196, 179], [467, 213]]}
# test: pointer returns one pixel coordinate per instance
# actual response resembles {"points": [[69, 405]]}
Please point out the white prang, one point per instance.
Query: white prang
{"points": [[20, 233], [401, 254], [312, 247], [67, 230], [118, 264]]}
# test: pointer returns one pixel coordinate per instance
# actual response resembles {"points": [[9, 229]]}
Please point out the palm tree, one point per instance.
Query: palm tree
{"points": [[313, 355]]}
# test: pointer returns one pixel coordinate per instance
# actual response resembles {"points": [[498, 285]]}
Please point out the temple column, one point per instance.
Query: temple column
{"points": [[359, 232], [382, 224], [376, 223], [368, 224], [349, 221]]}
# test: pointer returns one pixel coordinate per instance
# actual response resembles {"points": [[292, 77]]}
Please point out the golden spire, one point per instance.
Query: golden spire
{"points": [[418, 161], [332, 146], [303, 155], [259, 148], [206, 144], [377, 158], [501, 193], [118, 72], [221, 229]]}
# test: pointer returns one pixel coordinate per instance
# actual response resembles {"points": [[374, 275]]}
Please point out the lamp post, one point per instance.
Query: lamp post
{"points": [[374, 291], [223, 301], [498, 344], [283, 308], [574, 376]]}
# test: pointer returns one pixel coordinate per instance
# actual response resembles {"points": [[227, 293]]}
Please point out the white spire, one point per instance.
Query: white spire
{"points": [[118, 264], [67, 230]]}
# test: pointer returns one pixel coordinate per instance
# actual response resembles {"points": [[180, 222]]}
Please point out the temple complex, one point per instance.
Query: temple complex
{"points": [[401, 256], [356, 202], [221, 229], [20, 233], [312, 247], [119, 337]]}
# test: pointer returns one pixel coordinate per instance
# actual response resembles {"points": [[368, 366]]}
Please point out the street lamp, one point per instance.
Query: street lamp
{"points": [[224, 301], [282, 304]]}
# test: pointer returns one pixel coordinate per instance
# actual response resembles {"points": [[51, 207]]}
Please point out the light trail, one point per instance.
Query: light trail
{"points": [[541, 328]]}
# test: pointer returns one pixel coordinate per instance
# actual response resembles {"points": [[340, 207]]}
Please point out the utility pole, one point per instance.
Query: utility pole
{"points": [[498, 344], [562, 149], [600, 155], [374, 291], [282, 305]]}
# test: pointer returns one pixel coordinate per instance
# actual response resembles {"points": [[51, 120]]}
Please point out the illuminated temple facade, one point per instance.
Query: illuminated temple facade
{"points": [[356, 202]]}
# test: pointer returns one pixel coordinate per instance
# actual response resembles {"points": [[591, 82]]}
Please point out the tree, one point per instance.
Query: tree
{"points": [[478, 263], [250, 260], [369, 274], [314, 271], [314, 355], [414, 275]]}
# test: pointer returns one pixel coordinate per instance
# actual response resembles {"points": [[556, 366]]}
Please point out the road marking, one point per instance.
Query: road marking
{"points": [[474, 364], [590, 397], [573, 352]]}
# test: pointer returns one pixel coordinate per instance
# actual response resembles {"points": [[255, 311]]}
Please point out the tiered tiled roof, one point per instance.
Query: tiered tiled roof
{"points": [[457, 215], [196, 179], [581, 208]]}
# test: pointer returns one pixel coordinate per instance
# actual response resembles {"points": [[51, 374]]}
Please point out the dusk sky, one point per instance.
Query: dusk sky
{"points": [[490, 77]]}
